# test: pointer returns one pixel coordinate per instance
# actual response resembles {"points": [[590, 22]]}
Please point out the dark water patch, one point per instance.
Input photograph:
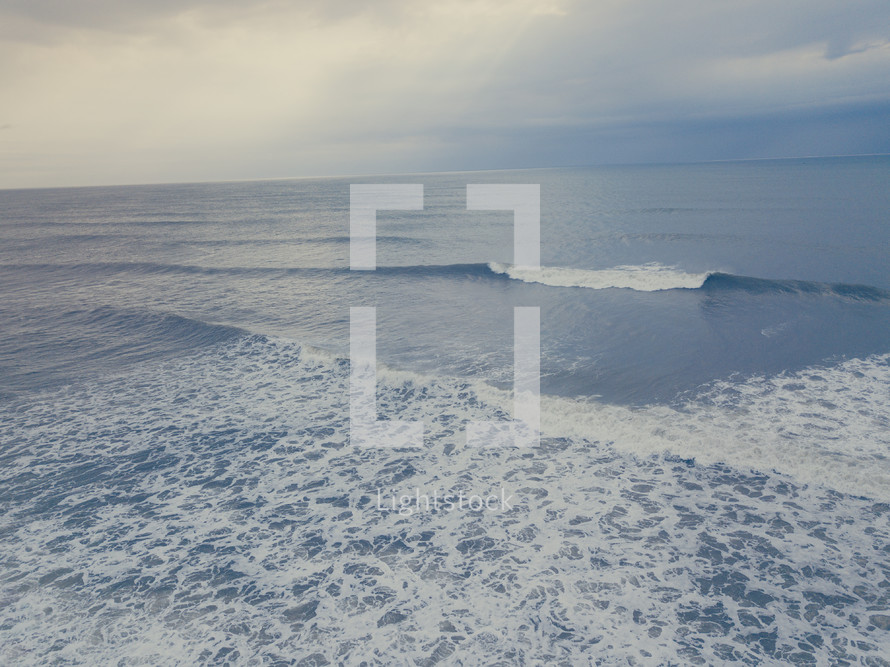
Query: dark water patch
{"points": [[724, 282]]}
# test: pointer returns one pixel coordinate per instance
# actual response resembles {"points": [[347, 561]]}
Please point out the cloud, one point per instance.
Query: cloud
{"points": [[124, 90]]}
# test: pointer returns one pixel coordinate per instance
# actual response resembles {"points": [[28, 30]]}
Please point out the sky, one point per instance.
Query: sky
{"points": [[154, 91]]}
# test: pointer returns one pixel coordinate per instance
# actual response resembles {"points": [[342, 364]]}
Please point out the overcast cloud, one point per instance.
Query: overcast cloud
{"points": [[127, 91]]}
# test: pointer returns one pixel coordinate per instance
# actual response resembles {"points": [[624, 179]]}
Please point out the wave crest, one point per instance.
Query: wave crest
{"points": [[650, 277]]}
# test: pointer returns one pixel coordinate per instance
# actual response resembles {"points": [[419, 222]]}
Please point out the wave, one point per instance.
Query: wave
{"points": [[650, 277], [646, 278], [727, 282], [96, 328], [824, 425], [51, 348], [656, 277], [155, 325]]}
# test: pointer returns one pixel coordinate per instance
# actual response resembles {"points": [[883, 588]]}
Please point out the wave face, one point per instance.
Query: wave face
{"points": [[645, 278], [219, 491], [722, 282], [153, 325], [95, 340]]}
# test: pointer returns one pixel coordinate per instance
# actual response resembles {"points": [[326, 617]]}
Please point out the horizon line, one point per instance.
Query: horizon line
{"points": [[446, 171]]}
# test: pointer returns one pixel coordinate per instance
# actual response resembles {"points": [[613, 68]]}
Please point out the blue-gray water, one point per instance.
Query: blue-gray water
{"points": [[176, 481]]}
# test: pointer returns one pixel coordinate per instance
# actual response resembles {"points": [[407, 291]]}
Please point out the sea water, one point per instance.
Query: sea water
{"points": [[177, 482]]}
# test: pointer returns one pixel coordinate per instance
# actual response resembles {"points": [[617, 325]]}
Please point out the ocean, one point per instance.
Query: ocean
{"points": [[712, 482]]}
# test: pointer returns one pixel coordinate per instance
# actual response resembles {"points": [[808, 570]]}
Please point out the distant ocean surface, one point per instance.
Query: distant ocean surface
{"points": [[712, 485]]}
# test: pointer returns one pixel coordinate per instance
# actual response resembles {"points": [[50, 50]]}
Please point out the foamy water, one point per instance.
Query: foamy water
{"points": [[651, 277], [212, 508]]}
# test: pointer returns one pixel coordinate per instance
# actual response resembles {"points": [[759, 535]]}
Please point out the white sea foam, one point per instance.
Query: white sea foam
{"points": [[644, 278], [824, 426], [212, 505], [828, 426]]}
